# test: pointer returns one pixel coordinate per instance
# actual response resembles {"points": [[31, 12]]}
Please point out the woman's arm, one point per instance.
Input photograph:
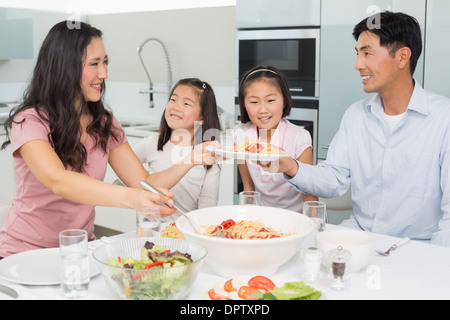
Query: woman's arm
{"points": [[171, 176], [49, 170]]}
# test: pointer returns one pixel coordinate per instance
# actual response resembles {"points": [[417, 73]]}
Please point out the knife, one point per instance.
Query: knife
{"points": [[9, 291]]}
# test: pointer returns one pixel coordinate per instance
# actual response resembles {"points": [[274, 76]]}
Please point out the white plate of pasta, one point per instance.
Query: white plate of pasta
{"points": [[242, 252], [251, 150]]}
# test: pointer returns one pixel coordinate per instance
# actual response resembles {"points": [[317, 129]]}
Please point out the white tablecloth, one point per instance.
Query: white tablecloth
{"points": [[415, 271]]}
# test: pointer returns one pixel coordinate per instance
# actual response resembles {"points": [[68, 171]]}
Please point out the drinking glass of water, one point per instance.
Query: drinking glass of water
{"points": [[250, 197], [75, 275], [148, 222], [317, 211]]}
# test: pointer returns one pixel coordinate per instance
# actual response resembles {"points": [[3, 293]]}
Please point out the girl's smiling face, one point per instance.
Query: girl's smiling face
{"points": [[264, 104], [183, 108]]}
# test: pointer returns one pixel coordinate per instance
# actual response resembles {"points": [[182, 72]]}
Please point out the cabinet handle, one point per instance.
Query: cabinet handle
{"points": [[325, 147], [296, 89]]}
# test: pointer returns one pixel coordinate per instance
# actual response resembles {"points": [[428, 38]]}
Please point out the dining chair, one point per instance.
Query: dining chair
{"points": [[4, 208], [339, 208]]}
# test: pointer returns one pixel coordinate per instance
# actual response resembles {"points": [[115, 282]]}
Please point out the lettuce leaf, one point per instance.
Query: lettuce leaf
{"points": [[291, 291]]}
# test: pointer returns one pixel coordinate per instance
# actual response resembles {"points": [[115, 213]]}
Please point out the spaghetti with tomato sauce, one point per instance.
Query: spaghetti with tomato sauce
{"points": [[243, 229]]}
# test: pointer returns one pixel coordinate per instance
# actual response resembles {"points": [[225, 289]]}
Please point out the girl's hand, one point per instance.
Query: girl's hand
{"points": [[201, 156], [148, 199]]}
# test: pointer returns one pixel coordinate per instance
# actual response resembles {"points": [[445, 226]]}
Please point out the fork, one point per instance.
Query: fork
{"points": [[393, 247]]}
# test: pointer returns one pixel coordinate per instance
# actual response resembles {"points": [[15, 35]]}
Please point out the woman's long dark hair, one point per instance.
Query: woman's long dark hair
{"points": [[54, 87]]}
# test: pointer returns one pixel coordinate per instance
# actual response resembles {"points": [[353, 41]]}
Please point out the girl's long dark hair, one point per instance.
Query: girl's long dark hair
{"points": [[54, 87]]}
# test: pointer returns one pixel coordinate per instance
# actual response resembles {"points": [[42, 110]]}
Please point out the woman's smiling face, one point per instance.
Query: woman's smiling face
{"points": [[95, 70], [264, 104]]}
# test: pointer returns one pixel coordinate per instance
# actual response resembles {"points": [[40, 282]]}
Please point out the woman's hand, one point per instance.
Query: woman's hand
{"points": [[201, 156], [148, 199]]}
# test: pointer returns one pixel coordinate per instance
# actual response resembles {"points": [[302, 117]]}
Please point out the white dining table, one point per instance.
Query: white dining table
{"points": [[416, 271]]}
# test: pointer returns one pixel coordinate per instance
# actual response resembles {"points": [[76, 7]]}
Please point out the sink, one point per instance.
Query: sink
{"points": [[142, 130], [150, 127], [133, 123]]}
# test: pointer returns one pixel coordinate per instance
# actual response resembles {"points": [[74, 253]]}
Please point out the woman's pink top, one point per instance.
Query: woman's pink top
{"points": [[37, 214], [275, 190]]}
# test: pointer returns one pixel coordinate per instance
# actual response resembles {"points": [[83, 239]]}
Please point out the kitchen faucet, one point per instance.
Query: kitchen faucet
{"points": [[150, 91]]}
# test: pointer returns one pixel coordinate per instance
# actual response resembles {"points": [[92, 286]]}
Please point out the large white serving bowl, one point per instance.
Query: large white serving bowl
{"points": [[233, 257], [359, 243]]}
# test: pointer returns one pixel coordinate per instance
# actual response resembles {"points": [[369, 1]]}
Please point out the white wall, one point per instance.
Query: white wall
{"points": [[14, 73], [201, 43]]}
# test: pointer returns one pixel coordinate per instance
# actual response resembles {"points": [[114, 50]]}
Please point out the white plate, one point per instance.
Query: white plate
{"points": [[37, 267], [247, 155]]}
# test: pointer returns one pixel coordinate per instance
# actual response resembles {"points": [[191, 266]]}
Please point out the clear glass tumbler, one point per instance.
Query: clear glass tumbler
{"points": [[148, 222], [250, 197], [317, 211], [75, 276]]}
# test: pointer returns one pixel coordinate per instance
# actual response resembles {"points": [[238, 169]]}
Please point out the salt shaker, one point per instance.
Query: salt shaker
{"points": [[338, 273], [312, 258]]}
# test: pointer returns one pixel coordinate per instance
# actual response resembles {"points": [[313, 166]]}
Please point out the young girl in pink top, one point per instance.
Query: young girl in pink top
{"points": [[264, 101], [62, 139]]}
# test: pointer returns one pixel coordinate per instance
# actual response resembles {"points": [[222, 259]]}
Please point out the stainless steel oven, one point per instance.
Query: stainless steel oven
{"points": [[294, 51]]}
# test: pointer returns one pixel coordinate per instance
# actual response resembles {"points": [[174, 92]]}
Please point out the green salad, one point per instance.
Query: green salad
{"points": [[139, 284]]}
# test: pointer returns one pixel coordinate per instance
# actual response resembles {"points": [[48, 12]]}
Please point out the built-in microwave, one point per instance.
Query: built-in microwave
{"points": [[295, 52]]}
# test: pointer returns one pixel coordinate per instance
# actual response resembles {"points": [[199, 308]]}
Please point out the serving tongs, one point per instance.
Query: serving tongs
{"points": [[147, 186]]}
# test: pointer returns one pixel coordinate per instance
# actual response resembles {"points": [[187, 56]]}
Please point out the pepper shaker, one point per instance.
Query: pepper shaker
{"points": [[338, 273]]}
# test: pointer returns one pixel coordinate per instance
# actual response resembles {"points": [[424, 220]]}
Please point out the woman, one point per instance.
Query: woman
{"points": [[62, 139]]}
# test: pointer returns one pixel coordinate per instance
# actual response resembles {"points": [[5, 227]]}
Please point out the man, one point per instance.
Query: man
{"points": [[392, 148]]}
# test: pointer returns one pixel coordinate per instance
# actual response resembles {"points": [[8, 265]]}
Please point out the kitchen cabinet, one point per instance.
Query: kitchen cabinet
{"points": [[7, 185], [120, 219], [437, 47], [340, 83], [273, 14], [16, 33]]}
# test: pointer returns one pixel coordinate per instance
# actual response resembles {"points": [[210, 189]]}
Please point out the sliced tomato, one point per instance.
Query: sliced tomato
{"points": [[261, 282], [214, 296], [246, 293], [228, 286]]}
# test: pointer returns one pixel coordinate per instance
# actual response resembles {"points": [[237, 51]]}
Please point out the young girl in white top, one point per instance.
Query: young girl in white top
{"points": [[264, 100], [190, 119]]}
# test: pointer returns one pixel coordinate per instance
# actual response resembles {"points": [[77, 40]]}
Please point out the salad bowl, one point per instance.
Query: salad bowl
{"points": [[233, 257], [149, 281]]}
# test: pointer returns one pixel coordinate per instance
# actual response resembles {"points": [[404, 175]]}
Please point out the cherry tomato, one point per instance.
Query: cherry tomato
{"points": [[228, 223], [214, 296], [261, 282], [228, 286], [246, 293]]}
